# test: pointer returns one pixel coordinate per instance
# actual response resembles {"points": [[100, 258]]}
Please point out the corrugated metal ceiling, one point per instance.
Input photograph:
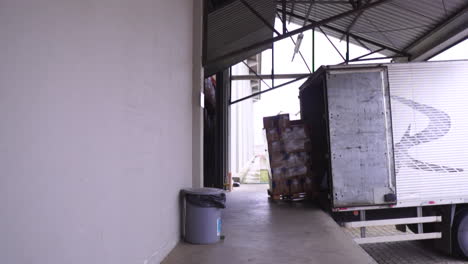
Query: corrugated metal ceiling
{"points": [[233, 27], [396, 24]]}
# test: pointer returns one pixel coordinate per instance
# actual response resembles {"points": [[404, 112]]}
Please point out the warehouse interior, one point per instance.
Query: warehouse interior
{"points": [[107, 113], [380, 41]]}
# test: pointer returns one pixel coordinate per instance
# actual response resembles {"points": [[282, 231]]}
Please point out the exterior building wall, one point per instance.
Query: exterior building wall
{"points": [[241, 123], [96, 129]]}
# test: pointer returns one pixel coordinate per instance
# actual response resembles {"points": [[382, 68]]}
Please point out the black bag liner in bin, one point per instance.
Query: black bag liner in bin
{"points": [[205, 197]]}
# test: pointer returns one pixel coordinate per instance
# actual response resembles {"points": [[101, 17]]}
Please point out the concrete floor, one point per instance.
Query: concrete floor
{"points": [[259, 231]]}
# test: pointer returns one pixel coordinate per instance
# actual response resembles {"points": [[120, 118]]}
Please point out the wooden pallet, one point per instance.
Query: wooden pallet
{"points": [[288, 197]]}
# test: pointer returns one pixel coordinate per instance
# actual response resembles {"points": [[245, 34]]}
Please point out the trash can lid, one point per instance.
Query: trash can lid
{"points": [[203, 191]]}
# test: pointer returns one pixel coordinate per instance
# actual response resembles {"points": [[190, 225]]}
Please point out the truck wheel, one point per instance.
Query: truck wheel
{"points": [[460, 233]]}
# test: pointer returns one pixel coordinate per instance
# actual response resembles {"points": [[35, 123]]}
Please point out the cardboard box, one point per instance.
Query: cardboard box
{"points": [[283, 121], [308, 183], [272, 134], [289, 160], [278, 121], [279, 187], [296, 122], [278, 163], [295, 184], [275, 146], [294, 132], [279, 173], [296, 145], [310, 186], [297, 171], [297, 158]]}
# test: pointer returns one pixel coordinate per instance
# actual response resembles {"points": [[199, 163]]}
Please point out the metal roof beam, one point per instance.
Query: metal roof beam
{"points": [[362, 44], [378, 58], [268, 90], [329, 40], [268, 76], [256, 74], [351, 25], [443, 36], [314, 24], [294, 42], [365, 55], [317, 2], [357, 38]]}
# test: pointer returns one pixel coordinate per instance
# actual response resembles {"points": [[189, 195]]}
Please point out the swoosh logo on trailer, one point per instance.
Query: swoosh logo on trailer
{"points": [[439, 125]]}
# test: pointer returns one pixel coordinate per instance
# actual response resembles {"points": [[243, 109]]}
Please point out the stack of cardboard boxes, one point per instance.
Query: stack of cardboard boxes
{"points": [[289, 158]]}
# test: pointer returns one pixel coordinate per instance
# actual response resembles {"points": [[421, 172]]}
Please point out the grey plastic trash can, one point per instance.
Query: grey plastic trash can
{"points": [[202, 214]]}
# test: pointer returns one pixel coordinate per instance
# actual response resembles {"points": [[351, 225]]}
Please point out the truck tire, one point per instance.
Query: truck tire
{"points": [[460, 233]]}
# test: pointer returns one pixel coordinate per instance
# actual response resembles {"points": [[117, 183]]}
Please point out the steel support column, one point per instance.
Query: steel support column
{"points": [[347, 48], [283, 6], [273, 64], [313, 50]]}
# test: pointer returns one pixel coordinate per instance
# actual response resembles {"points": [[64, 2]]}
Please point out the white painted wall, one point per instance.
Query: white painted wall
{"points": [[197, 110], [96, 129], [241, 123]]}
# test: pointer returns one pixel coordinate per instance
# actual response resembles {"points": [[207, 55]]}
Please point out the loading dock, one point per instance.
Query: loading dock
{"points": [[259, 231], [102, 125], [399, 48]]}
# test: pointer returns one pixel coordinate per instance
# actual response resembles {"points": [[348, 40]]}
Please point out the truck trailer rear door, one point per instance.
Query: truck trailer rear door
{"points": [[360, 135]]}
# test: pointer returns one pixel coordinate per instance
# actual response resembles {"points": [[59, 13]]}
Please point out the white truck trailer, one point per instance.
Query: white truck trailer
{"points": [[390, 147]]}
